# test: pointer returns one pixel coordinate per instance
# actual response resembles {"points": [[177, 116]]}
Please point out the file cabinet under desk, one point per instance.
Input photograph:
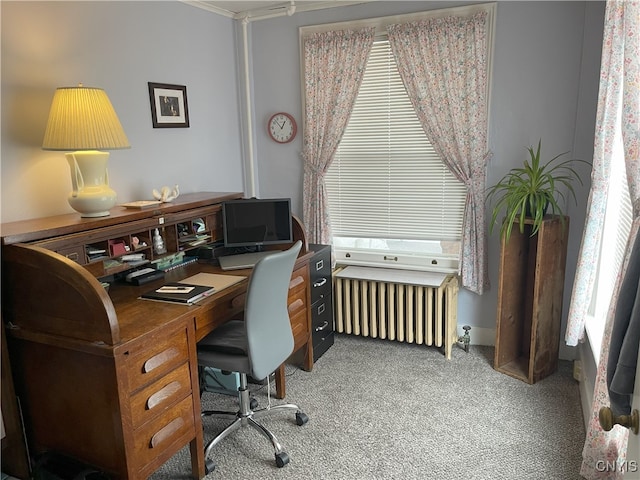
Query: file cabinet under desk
{"points": [[321, 299]]}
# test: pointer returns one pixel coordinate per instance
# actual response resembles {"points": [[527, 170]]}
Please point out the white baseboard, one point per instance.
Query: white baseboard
{"points": [[587, 381]]}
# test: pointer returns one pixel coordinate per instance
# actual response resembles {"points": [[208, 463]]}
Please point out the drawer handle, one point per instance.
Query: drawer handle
{"points": [[166, 432], [321, 309], [322, 327], [295, 305], [160, 359], [320, 283], [295, 282], [319, 265], [72, 256], [162, 394]]}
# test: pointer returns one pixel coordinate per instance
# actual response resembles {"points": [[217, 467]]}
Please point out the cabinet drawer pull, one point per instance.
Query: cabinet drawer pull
{"points": [[322, 327], [162, 394], [166, 432], [295, 305], [320, 283], [159, 359], [72, 256], [295, 282]]}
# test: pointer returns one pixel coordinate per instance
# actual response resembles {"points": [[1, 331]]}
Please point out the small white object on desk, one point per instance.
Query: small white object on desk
{"points": [[166, 194], [174, 289], [132, 257], [139, 204]]}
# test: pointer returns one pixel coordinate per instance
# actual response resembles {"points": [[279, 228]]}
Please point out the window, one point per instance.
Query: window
{"points": [[391, 198], [617, 226]]}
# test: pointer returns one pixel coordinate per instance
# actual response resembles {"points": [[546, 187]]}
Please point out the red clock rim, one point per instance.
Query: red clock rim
{"points": [[294, 126]]}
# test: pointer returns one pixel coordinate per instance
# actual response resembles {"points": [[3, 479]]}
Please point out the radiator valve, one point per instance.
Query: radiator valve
{"points": [[466, 338]]}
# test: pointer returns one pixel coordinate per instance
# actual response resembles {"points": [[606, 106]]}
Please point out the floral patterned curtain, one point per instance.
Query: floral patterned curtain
{"points": [[334, 64], [618, 108], [443, 64]]}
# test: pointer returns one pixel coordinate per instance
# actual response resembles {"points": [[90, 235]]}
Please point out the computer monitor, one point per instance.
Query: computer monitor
{"points": [[255, 222]]}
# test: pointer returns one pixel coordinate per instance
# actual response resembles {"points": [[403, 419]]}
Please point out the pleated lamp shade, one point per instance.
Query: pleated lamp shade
{"points": [[82, 121], [83, 118]]}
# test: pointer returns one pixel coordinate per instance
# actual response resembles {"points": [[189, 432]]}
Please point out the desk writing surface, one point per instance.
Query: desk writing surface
{"points": [[137, 316]]}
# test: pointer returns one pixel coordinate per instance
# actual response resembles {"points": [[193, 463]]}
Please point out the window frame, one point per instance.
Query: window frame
{"points": [[439, 262], [622, 211]]}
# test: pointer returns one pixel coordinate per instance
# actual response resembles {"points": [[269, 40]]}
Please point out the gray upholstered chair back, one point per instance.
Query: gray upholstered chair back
{"points": [[269, 335]]}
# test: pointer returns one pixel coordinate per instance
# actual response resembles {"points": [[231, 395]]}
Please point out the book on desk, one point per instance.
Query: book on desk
{"points": [[179, 293]]}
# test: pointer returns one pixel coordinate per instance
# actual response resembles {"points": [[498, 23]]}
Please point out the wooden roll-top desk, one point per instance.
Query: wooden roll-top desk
{"points": [[103, 376]]}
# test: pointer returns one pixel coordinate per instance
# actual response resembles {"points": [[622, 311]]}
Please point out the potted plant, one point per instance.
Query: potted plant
{"points": [[529, 191]]}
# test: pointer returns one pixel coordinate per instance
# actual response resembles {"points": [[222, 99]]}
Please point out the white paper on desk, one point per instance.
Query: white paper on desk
{"points": [[214, 280]]}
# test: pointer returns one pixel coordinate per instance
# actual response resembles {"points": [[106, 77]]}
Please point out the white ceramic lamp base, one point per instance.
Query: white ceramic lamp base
{"points": [[91, 195]]}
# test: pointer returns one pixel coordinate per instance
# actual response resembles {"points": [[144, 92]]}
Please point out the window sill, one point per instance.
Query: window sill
{"points": [[425, 263]]}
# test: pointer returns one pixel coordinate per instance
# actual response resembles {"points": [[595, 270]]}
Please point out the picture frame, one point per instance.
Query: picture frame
{"points": [[169, 107]]}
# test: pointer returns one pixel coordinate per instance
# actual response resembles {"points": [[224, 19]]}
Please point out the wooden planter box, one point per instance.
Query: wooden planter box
{"points": [[530, 290]]}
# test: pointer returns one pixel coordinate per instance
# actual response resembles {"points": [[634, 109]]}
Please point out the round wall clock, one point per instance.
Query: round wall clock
{"points": [[282, 127]]}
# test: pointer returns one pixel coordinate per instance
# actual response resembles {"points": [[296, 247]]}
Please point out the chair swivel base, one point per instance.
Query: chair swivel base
{"points": [[246, 416]]}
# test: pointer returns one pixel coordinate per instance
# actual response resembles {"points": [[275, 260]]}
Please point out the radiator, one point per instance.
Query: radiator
{"points": [[374, 305]]}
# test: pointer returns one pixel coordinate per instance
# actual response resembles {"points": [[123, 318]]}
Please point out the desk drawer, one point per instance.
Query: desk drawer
{"points": [[160, 395], [297, 308], [297, 283], [217, 313], [157, 436], [299, 329], [156, 357], [297, 303]]}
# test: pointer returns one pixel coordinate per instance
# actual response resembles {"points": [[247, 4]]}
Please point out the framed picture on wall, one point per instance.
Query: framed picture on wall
{"points": [[169, 107]]}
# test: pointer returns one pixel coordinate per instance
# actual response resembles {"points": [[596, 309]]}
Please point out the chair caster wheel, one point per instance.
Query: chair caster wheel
{"points": [[253, 404], [282, 459], [209, 466], [301, 418]]}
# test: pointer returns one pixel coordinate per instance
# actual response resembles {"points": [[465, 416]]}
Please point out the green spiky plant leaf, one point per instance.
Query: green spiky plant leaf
{"points": [[530, 191]]}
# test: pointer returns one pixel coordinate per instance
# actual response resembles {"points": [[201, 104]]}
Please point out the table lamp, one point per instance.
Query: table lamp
{"points": [[83, 120]]}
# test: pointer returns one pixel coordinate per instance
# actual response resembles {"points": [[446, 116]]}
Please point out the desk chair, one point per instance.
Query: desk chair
{"points": [[256, 346]]}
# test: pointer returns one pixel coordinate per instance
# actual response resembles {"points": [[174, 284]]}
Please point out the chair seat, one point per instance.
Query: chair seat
{"points": [[228, 338], [225, 348]]}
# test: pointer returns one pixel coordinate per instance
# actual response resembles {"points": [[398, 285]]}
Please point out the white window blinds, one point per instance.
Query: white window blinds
{"points": [[386, 180]]}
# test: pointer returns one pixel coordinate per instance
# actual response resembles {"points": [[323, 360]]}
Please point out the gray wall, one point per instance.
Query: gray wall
{"points": [[118, 46], [544, 85]]}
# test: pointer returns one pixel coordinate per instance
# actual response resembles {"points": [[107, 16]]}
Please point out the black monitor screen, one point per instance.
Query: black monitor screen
{"points": [[255, 222]]}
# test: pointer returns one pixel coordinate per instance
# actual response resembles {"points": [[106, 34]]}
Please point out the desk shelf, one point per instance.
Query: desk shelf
{"points": [[111, 241]]}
